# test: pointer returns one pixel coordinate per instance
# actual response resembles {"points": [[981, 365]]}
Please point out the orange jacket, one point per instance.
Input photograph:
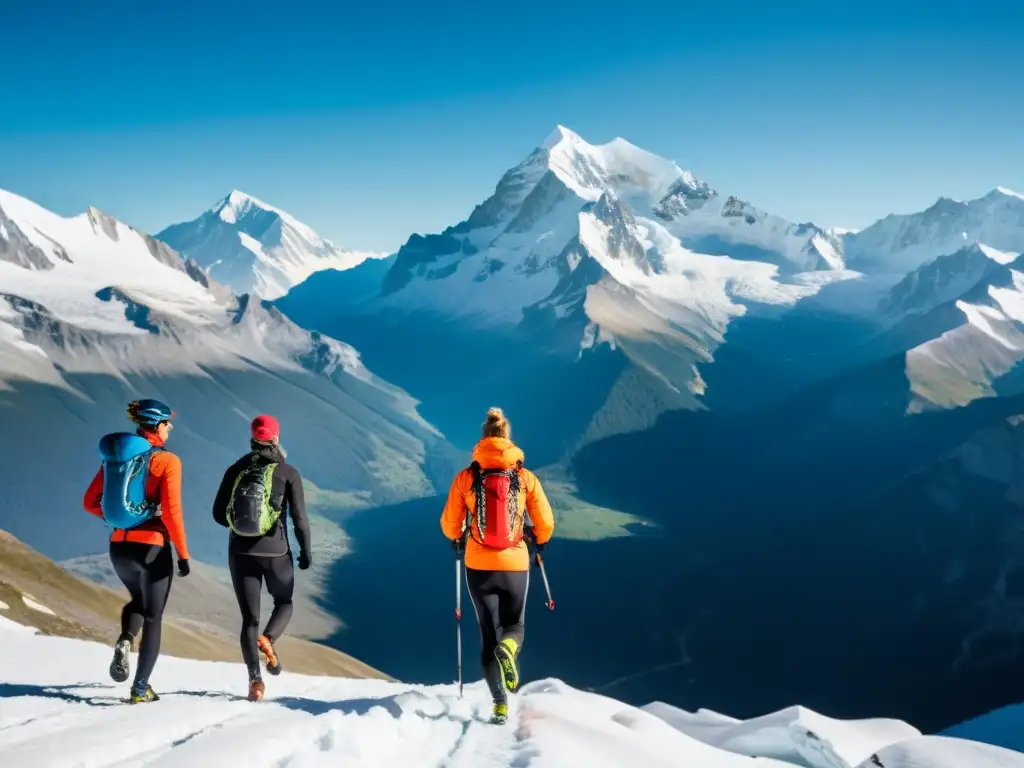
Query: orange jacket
{"points": [[497, 453], [163, 482]]}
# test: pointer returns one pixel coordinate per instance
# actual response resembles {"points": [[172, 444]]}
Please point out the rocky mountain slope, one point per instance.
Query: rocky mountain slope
{"points": [[36, 592]]}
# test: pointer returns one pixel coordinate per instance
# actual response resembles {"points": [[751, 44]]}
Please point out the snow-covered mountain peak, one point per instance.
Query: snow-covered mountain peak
{"points": [[626, 209], [236, 205], [562, 134], [591, 170], [252, 215], [254, 247], [239, 200], [1007, 192]]}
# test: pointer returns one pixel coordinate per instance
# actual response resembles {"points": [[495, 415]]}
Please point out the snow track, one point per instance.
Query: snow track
{"points": [[57, 710]]}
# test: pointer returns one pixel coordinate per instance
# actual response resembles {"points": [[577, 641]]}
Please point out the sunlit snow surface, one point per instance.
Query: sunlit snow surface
{"points": [[103, 253], [58, 709]]}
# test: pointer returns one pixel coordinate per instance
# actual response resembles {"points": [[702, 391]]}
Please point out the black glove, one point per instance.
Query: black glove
{"points": [[304, 561], [183, 567], [456, 546], [531, 537]]}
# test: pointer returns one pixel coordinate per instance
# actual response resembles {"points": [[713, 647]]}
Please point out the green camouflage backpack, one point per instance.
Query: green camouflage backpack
{"points": [[250, 512]]}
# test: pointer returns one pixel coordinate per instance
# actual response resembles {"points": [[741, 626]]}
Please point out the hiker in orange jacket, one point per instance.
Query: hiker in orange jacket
{"points": [[141, 555], [497, 558]]}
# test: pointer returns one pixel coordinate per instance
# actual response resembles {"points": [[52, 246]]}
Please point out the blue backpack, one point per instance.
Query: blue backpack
{"points": [[125, 467]]}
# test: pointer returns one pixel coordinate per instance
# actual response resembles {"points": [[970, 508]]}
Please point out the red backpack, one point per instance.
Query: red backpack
{"points": [[499, 521]]}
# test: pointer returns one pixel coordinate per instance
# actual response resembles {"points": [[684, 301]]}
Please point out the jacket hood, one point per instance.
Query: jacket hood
{"points": [[497, 453], [274, 453]]}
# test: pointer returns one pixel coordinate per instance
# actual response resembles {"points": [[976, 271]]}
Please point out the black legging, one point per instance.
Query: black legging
{"points": [[247, 575], [147, 571], [499, 598]]}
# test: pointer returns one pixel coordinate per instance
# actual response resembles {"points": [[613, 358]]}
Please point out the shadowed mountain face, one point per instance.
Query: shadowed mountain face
{"points": [[856, 560], [460, 373], [57, 433]]}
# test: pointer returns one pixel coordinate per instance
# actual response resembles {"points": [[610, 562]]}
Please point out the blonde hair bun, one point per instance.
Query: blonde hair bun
{"points": [[496, 424]]}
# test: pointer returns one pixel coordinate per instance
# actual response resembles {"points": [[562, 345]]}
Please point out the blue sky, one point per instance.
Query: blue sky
{"points": [[373, 123]]}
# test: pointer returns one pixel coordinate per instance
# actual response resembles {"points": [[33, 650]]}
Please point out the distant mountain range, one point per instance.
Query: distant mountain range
{"points": [[819, 427], [630, 288]]}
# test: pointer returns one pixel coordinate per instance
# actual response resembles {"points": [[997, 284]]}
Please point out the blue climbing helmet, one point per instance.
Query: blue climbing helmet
{"points": [[149, 413]]}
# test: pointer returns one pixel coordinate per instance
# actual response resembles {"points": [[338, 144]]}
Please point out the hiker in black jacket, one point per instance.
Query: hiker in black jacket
{"points": [[257, 495]]}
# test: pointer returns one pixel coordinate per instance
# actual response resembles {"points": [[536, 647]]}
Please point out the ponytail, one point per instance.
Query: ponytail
{"points": [[133, 416]]}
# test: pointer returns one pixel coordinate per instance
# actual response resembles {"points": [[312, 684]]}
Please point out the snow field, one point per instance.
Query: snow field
{"points": [[58, 709]]}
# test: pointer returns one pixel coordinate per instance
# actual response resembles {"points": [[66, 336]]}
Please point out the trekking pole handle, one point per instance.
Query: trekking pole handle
{"points": [[544, 575]]}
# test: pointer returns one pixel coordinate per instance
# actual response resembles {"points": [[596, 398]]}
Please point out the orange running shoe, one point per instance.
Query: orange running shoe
{"points": [[256, 689], [267, 649]]}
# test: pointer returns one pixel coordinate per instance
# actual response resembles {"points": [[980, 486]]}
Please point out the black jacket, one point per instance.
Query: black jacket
{"points": [[285, 494]]}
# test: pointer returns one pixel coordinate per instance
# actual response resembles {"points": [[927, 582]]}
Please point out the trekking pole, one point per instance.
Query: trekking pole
{"points": [[544, 575], [458, 605], [458, 617], [531, 536]]}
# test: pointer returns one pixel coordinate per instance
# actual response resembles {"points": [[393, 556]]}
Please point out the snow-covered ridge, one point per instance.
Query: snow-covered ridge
{"points": [[98, 296], [901, 243], [78, 256], [254, 247], [64, 712], [964, 364], [945, 279]]}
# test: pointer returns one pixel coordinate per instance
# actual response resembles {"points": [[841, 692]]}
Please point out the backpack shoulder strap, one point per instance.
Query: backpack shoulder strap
{"points": [[476, 472], [515, 477]]}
